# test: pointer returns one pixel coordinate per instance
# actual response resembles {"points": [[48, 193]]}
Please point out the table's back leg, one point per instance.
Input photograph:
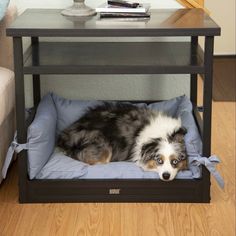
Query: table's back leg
{"points": [[193, 77], [36, 77]]}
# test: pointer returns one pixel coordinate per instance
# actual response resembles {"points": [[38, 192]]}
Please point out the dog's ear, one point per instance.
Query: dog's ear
{"points": [[183, 164], [149, 149], [178, 135]]}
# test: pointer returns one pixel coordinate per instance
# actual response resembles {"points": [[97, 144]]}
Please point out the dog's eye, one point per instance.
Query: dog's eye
{"points": [[174, 162], [159, 161]]}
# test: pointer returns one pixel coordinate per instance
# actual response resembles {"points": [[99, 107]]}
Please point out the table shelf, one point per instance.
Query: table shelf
{"points": [[113, 58]]}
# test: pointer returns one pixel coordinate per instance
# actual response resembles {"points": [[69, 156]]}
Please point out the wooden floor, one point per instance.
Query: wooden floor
{"points": [[216, 218], [224, 85]]}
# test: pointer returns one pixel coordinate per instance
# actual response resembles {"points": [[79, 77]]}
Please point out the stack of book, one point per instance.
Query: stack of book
{"points": [[123, 9]]}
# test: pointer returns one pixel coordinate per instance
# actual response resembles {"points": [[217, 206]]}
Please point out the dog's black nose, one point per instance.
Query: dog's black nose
{"points": [[166, 175]]}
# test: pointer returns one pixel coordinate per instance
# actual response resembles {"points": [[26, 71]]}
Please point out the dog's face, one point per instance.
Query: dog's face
{"points": [[166, 156]]}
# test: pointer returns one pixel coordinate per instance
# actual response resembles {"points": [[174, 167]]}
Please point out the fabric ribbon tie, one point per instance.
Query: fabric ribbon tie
{"points": [[210, 164], [14, 147]]}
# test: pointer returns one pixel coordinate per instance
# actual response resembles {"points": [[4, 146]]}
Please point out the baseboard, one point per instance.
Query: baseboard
{"points": [[225, 56]]}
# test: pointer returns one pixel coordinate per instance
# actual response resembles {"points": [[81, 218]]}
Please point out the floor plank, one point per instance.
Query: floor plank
{"points": [[224, 87]]}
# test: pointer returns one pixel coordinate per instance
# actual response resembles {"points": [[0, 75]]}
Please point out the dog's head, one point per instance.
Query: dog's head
{"points": [[167, 156]]}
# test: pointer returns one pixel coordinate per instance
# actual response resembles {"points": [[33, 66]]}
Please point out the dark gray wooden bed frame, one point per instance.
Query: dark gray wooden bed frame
{"points": [[112, 58]]}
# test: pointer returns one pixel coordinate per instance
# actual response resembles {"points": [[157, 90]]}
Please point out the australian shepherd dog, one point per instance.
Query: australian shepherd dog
{"points": [[125, 132]]}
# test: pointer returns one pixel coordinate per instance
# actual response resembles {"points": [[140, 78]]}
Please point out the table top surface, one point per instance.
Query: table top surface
{"points": [[163, 22]]}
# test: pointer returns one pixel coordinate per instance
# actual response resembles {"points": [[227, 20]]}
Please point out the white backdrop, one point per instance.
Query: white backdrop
{"points": [[22, 4]]}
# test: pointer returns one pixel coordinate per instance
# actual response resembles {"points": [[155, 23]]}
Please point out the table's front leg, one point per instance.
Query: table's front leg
{"points": [[207, 94], [19, 90], [20, 115], [207, 110]]}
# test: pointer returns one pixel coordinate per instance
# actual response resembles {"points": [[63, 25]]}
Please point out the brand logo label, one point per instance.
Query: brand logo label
{"points": [[114, 191]]}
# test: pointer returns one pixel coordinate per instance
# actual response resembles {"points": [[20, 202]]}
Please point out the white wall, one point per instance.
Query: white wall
{"points": [[223, 12], [107, 86], [22, 4]]}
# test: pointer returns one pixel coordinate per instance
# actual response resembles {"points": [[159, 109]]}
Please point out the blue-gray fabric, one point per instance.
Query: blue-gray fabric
{"points": [[210, 163], [60, 113], [70, 110], [62, 167], [41, 136], [14, 147]]}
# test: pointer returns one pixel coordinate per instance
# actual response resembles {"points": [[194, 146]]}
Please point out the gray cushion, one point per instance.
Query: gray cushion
{"points": [[41, 136], [70, 110], [60, 166]]}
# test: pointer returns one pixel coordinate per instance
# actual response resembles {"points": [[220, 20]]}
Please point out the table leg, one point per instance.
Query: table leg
{"points": [[193, 77], [20, 116], [36, 77], [207, 95], [207, 110]]}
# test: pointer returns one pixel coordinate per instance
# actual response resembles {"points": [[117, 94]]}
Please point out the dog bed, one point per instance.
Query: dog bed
{"points": [[55, 113]]}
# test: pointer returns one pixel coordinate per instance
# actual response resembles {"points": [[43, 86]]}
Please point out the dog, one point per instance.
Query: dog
{"points": [[125, 132]]}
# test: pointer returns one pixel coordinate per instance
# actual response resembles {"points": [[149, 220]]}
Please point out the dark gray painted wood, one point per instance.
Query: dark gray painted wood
{"points": [[193, 77], [207, 107], [207, 95], [20, 113], [115, 58], [36, 77], [169, 22], [132, 190]]}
